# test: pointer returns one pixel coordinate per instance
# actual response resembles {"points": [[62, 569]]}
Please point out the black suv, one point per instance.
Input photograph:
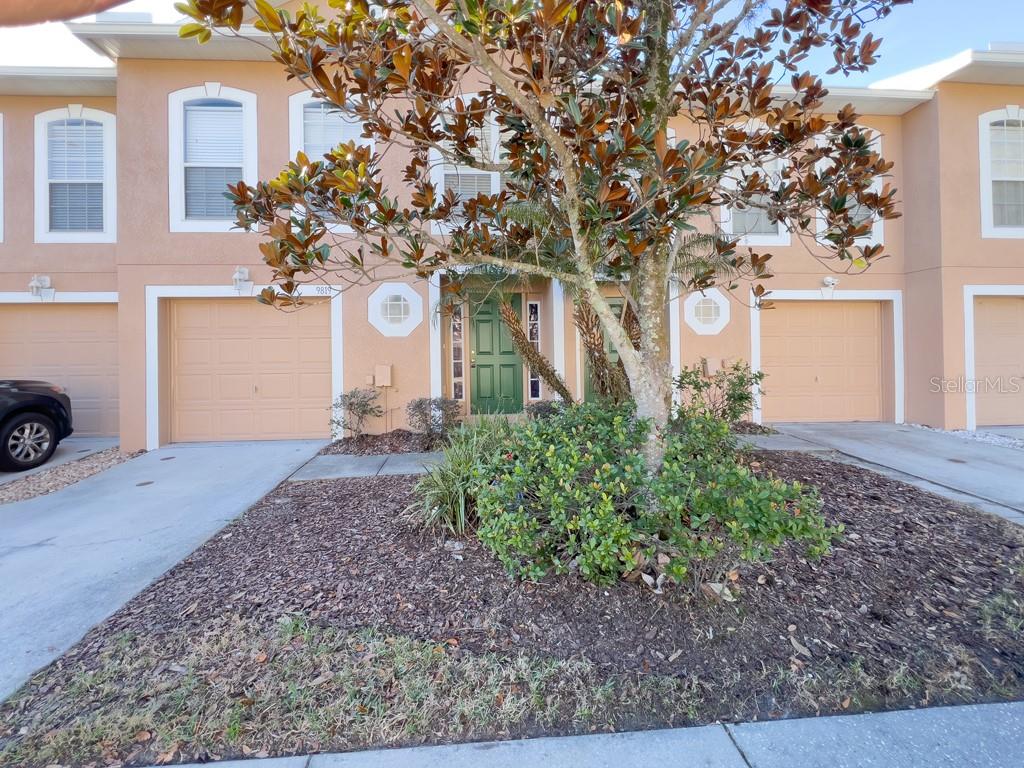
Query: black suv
{"points": [[34, 417]]}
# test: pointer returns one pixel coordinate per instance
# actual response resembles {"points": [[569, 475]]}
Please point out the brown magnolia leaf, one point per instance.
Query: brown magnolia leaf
{"points": [[799, 647]]}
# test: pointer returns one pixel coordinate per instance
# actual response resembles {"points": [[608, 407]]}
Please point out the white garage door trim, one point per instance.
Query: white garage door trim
{"points": [[156, 292], [895, 297], [970, 370], [60, 297]]}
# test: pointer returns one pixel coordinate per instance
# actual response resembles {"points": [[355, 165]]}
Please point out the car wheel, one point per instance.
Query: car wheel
{"points": [[26, 441]]}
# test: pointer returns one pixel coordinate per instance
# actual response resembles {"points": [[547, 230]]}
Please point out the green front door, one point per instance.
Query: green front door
{"points": [[496, 368]]}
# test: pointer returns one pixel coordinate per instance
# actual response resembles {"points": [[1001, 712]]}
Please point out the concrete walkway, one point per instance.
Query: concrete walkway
{"points": [[981, 736], [69, 449], [988, 476], [71, 558], [337, 465]]}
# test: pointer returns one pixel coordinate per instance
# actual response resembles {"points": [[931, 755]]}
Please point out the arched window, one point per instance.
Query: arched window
{"points": [[1001, 144], [212, 134], [75, 178]]}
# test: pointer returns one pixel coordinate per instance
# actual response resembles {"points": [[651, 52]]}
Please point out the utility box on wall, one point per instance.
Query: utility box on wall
{"points": [[382, 375]]}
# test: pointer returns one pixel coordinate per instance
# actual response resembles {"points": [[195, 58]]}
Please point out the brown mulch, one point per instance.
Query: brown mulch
{"points": [[904, 593], [396, 441], [750, 428]]}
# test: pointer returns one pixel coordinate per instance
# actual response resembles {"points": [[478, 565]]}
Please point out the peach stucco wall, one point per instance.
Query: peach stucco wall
{"points": [[80, 267], [934, 249]]}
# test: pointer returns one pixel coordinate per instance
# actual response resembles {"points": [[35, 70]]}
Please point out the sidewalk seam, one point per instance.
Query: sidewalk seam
{"points": [[736, 744]]}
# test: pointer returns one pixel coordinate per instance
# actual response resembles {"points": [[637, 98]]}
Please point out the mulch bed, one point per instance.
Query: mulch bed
{"points": [[910, 574], [903, 613], [750, 428], [396, 441]]}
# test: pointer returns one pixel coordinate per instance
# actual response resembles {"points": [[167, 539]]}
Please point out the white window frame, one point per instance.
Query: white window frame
{"points": [[375, 305], [988, 228], [461, 344], [42, 187], [438, 165], [782, 236], [877, 234], [532, 375], [296, 132], [176, 152], [690, 312]]}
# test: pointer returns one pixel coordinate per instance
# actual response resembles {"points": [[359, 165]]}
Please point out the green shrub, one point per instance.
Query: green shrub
{"points": [[446, 493], [354, 408], [726, 394], [561, 493], [433, 416], [571, 492], [543, 409]]}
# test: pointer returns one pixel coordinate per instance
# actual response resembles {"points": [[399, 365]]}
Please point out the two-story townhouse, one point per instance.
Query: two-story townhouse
{"points": [[122, 278]]}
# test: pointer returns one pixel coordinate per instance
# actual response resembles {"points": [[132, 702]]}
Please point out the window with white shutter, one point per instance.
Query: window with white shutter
{"points": [[74, 158], [1001, 164], [751, 223], [467, 181], [214, 153], [74, 162], [212, 145], [324, 128]]}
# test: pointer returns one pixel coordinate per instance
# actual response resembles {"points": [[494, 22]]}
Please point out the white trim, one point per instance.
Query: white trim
{"points": [[436, 362], [375, 304], [896, 297], [558, 327], [540, 336], [156, 292], [971, 292], [988, 227], [675, 342], [41, 196], [690, 312], [60, 297], [176, 152]]}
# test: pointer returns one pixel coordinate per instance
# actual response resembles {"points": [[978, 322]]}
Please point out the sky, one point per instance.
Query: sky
{"points": [[914, 35]]}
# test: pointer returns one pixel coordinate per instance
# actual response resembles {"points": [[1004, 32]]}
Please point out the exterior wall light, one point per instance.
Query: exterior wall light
{"points": [[40, 287], [240, 280]]}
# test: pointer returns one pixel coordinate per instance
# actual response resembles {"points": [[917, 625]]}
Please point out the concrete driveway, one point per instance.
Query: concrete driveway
{"points": [[986, 475], [70, 559]]}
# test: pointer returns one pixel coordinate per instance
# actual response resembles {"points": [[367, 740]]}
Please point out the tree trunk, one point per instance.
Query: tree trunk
{"points": [[648, 368]]}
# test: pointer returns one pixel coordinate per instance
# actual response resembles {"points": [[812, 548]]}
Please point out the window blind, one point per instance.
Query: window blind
{"points": [[324, 128], [753, 221], [74, 162], [1007, 141], [214, 157]]}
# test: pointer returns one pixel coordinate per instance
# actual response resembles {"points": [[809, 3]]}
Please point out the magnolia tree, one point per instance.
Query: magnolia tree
{"points": [[620, 129]]}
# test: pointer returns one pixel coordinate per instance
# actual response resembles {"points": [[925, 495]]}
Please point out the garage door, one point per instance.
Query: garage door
{"points": [[240, 370], [999, 359], [823, 361], [74, 345]]}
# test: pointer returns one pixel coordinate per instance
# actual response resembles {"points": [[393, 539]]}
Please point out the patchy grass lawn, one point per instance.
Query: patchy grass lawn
{"points": [[321, 620]]}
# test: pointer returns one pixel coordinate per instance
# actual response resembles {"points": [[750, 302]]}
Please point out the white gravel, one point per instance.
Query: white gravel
{"points": [[992, 438], [61, 476]]}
